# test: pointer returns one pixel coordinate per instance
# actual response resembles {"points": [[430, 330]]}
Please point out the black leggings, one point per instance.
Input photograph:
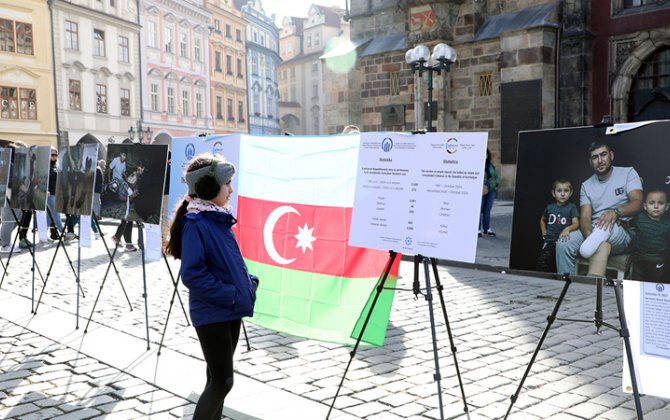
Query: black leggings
{"points": [[218, 342]]}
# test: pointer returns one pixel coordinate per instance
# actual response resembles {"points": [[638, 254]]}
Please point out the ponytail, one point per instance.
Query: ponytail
{"points": [[173, 244]]}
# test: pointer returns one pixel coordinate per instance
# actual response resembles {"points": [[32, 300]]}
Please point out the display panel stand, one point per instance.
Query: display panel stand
{"points": [[598, 322], [144, 282], [418, 259], [69, 260], [31, 249]]}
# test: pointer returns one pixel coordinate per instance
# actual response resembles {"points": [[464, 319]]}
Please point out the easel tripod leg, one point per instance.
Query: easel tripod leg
{"points": [[429, 299], [625, 334], [352, 354], [550, 321], [451, 337]]}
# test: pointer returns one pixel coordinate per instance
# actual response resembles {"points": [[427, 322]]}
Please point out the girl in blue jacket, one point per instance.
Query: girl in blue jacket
{"points": [[221, 291]]}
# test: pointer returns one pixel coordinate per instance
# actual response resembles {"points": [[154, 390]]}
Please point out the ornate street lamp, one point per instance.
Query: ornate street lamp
{"points": [[421, 60], [141, 133]]}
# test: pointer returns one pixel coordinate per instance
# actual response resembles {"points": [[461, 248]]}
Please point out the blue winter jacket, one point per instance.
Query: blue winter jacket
{"points": [[212, 268]]}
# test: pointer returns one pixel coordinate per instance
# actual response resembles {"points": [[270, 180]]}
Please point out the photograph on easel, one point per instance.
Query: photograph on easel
{"points": [[30, 176], [76, 179], [593, 201], [134, 181], [5, 163]]}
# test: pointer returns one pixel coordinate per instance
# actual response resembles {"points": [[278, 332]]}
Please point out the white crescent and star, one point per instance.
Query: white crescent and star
{"points": [[304, 236]]}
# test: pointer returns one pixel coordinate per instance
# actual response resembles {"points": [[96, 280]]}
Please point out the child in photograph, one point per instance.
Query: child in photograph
{"points": [[558, 220], [650, 231]]}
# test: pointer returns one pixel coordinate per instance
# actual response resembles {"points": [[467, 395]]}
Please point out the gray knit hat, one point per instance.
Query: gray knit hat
{"points": [[222, 171]]}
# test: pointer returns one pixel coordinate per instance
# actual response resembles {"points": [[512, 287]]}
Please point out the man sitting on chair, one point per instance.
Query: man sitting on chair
{"points": [[611, 195]]}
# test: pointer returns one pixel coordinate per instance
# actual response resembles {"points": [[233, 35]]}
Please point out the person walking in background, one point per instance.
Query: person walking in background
{"points": [[221, 291], [56, 223], [491, 182]]}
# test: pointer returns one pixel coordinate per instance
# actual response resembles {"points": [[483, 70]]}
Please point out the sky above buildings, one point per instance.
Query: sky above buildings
{"points": [[297, 8]]}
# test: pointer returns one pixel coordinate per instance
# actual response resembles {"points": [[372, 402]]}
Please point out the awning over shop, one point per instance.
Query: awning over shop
{"points": [[345, 48], [383, 44]]}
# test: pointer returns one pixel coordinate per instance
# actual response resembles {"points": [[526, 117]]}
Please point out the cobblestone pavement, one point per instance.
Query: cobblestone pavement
{"points": [[496, 321]]}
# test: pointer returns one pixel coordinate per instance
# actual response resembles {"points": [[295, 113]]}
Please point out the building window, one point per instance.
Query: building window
{"points": [[124, 54], [229, 109], [71, 35], [217, 25], [153, 34], [238, 35], [98, 42], [183, 45], [101, 99], [317, 39], [112, 3], [170, 100], [154, 97], [394, 77], [239, 68], [217, 61], [185, 103], [254, 63], [240, 111], [167, 33], [7, 35], [262, 40], [24, 38], [125, 102], [229, 32], [315, 90], [315, 68], [196, 50], [219, 108], [257, 103], [637, 3], [229, 64], [268, 110], [485, 84], [75, 95], [9, 100], [309, 40], [28, 104], [198, 105]]}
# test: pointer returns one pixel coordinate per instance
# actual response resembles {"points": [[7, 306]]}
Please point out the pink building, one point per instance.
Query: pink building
{"points": [[175, 68]]}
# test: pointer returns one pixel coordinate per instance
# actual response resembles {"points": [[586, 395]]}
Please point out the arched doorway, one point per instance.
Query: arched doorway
{"points": [[163, 138], [290, 123], [89, 138], [649, 97], [642, 86]]}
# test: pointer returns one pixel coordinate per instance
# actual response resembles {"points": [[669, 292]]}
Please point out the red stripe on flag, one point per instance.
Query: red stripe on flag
{"points": [[330, 253]]}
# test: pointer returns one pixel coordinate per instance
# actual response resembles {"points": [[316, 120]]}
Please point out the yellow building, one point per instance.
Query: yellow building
{"points": [[228, 68], [27, 100]]}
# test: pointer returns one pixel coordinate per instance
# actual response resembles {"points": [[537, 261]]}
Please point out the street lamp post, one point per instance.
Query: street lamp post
{"points": [[421, 60], [140, 133]]}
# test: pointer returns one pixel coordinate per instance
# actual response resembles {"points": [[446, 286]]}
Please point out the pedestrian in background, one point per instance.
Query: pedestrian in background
{"points": [[221, 291], [491, 182], [56, 223]]}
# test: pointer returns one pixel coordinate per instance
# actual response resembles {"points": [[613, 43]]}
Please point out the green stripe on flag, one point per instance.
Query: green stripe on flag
{"points": [[319, 306]]}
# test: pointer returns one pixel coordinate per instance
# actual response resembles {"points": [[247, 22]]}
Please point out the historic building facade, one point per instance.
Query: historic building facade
{"points": [[228, 80], [301, 44], [262, 40], [27, 110], [96, 50], [175, 68], [522, 64]]}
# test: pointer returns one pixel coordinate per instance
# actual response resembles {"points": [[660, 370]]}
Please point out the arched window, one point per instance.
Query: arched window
{"points": [[651, 82]]}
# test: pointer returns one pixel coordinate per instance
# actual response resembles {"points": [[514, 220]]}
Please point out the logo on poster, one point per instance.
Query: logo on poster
{"points": [[408, 240], [660, 287], [387, 144], [452, 146], [189, 151], [217, 148]]}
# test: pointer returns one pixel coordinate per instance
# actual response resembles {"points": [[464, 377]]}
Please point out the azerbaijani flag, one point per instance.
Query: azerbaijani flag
{"points": [[295, 201]]}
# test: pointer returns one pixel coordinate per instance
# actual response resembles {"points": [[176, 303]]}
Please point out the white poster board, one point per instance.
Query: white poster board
{"points": [[647, 307], [419, 194], [185, 148]]}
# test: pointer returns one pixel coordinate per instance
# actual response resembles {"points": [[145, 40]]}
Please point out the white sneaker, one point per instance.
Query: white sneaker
{"points": [[6, 249]]}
